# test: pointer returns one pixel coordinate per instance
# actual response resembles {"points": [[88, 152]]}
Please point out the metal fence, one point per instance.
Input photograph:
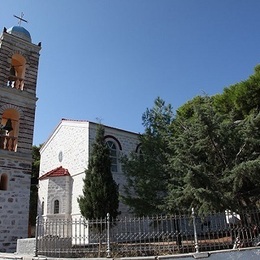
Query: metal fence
{"points": [[146, 236]]}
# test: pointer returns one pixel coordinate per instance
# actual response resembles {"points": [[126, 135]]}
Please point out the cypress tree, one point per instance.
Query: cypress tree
{"points": [[100, 191]]}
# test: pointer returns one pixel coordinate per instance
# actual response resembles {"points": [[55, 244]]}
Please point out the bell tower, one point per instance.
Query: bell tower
{"points": [[19, 59]]}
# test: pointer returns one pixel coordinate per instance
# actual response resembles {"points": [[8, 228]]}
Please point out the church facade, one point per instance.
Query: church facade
{"points": [[19, 59], [64, 159]]}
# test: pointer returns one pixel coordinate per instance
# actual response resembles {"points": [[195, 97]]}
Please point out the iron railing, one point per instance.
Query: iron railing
{"points": [[146, 236]]}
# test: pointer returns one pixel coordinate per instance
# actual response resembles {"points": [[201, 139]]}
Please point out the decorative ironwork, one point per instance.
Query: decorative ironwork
{"points": [[146, 236]]}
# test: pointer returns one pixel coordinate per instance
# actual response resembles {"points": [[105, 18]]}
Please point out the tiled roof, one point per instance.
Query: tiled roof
{"points": [[58, 172]]}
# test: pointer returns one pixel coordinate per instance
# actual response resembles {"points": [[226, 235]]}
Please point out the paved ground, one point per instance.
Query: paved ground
{"points": [[241, 254]]}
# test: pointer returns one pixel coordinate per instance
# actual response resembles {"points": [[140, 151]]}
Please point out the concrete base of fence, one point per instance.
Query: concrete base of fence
{"points": [[9, 256], [200, 255], [26, 246], [243, 253]]}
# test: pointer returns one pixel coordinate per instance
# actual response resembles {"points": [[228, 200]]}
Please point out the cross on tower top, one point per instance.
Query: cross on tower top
{"points": [[20, 19]]}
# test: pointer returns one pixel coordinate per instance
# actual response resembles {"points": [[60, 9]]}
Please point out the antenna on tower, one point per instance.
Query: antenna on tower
{"points": [[20, 19]]}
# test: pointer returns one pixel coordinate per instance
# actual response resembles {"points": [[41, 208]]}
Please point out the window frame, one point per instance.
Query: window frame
{"points": [[113, 154], [56, 206]]}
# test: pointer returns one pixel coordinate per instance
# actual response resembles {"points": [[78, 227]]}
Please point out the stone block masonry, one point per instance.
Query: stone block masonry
{"points": [[19, 59], [14, 204]]}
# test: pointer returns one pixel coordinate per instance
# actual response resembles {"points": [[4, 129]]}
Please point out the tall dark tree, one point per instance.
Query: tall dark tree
{"points": [[34, 182], [207, 155], [216, 160], [100, 191], [199, 159], [146, 170], [243, 177]]}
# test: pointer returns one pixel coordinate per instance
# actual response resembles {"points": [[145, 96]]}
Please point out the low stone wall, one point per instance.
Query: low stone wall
{"points": [[26, 246]]}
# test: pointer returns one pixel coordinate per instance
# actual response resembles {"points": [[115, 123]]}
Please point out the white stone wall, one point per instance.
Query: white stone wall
{"points": [[74, 139], [76, 192], [59, 189], [70, 139], [55, 188], [42, 196]]}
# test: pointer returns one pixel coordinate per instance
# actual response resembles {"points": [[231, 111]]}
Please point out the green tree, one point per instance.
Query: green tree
{"points": [[241, 98], [215, 160], [34, 182], [146, 170], [100, 191], [207, 155], [197, 161], [243, 177]]}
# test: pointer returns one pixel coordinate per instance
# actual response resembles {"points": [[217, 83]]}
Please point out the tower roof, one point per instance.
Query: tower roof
{"points": [[20, 32]]}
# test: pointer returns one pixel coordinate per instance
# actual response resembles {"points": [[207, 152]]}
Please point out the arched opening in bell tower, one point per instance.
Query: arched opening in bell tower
{"points": [[17, 72], [9, 130]]}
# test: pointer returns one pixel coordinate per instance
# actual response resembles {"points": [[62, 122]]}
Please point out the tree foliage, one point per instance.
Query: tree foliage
{"points": [[145, 171], [206, 157], [202, 148], [243, 177], [240, 99], [34, 182], [215, 143], [100, 191]]}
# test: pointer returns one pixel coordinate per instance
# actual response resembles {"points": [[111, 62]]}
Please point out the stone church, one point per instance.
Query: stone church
{"points": [[19, 59], [64, 159]]}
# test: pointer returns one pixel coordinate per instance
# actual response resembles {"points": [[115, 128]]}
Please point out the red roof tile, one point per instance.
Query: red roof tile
{"points": [[58, 172]]}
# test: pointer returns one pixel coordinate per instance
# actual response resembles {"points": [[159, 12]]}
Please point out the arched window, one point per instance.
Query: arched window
{"points": [[56, 207], [138, 149], [113, 155], [3, 182], [17, 72], [9, 129]]}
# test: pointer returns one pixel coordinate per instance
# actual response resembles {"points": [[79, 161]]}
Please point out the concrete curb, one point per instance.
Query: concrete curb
{"points": [[248, 253]]}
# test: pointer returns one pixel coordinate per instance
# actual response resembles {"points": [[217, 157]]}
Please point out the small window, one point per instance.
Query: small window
{"points": [[3, 182], [43, 208], [56, 207], [113, 155]]}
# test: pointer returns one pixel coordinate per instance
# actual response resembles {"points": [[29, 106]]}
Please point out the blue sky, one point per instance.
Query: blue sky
{"points": [[110, 59]]}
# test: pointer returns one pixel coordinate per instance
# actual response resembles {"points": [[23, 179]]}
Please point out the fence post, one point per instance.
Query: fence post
{"points": [[36, 237], [108, 236], [195, 230]]}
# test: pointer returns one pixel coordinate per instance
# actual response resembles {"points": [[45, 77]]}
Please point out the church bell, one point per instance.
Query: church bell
{"points": [[8, 126], [12, 71]]}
